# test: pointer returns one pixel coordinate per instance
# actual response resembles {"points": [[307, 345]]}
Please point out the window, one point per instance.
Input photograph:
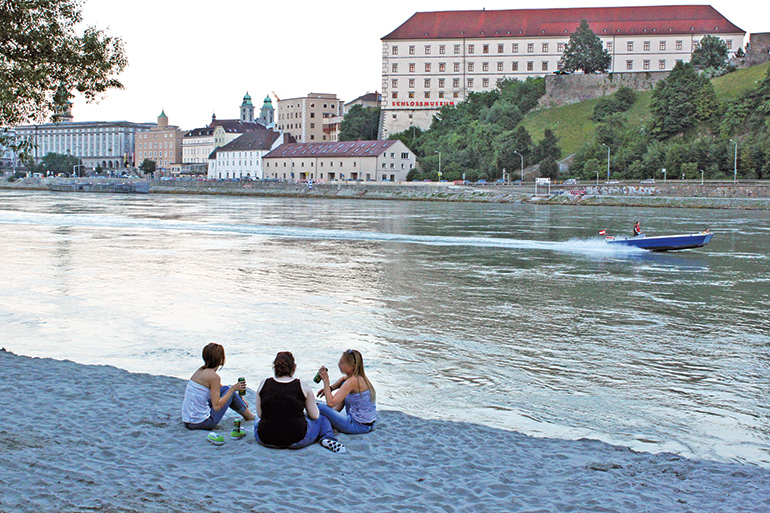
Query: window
{"points": [[394, 68], [411, 67], [427, 49], [411, 94], [457, 49], [646, 64], [394, 50], [471, 66], [530, 66], [500, 48], [442, 67], [411, 82], [394, 83], [499, 66], [515, 47], [662, 46], [455, 83], [485, 49], [442, 49], [427, 67], [411, 49], [441, 82], [514, 66], [441, 94], [544, 66], [545, 47], [530, 47], [457, 67], [394, 95], [560, 47], [471, 48], [484, 66], [629, 65], [455, 94], [629, 46], [485, 83], [646, 46], [678, 45], [729, 44], [695, 45], [662, 64], [427, 94], [609, 46], [470, 82], [427, 82]]}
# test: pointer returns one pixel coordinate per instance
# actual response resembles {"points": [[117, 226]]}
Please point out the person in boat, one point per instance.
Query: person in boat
{"points": [[288, 413], [637, 229], [206, 400], [354, 391]]}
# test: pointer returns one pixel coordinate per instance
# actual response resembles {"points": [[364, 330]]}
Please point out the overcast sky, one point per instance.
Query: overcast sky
{"points": [[196, 57]]}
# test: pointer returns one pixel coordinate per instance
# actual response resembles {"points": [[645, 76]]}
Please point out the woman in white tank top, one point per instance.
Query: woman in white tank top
{"points": [[205, 399]]}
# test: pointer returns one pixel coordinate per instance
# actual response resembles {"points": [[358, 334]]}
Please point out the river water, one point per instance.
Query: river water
{"points": [[512, 316]]}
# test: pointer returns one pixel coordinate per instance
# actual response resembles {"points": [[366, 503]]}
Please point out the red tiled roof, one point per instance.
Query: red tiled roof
{"points": [[604, 21], [331, 149]]}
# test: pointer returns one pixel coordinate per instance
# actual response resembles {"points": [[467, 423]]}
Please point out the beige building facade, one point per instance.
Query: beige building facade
{"points": [[311, 118], [380, 161], [161, 144], [438, 58]]}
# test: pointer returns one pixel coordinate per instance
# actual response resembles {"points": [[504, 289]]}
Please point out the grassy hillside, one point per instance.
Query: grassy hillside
{"points": [[572, 124]]}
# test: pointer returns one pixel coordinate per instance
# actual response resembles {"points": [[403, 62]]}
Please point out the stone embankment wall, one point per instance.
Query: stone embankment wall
{"points": [[567, 89]]}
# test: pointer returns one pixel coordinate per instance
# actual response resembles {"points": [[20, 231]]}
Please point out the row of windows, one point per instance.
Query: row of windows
{"points": [[156, 145], [295, 115], [456, 67], [148, 154], [145, 136], [544, 47]]}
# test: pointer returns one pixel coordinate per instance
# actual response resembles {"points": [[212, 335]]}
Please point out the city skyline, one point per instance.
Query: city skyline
{"points": [[196, 62]]}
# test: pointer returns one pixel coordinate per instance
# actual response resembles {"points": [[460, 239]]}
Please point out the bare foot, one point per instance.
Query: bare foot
{"points": [[247, 415]]}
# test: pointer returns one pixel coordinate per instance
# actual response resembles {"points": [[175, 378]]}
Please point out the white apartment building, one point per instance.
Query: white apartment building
{"points": [[311, 118], [198, 144], [242, 157], [386, 161], [438, 58]]}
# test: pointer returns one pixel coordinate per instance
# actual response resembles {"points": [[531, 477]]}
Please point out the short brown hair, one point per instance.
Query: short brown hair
{"points": [[283, 365], [213, 356]]}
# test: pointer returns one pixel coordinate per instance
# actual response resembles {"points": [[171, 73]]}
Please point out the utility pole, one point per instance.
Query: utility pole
{"points": [[735, 162], [522, 164], [608, 161]]}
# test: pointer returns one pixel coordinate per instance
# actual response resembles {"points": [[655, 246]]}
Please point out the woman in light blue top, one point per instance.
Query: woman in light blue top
{"points": [[355, 393]]}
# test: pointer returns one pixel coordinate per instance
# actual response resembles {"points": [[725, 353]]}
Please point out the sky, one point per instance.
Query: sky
{"points": [[193, 58]]}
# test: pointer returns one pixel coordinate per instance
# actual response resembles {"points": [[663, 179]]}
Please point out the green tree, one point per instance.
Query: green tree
{"points": [[57, 163], [592, 169], [505, 115], [148, 166], [548, 147], [585, 51], [674, 100], [711, 53], [549, 168], [360, 124], [42, 46]]}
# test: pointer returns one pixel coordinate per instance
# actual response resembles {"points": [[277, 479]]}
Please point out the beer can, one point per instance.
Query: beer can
{"points": [[241, 392]]}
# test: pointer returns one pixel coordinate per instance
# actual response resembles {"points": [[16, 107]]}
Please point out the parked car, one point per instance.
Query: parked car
{"points": [[518, 182], [481, 182], [501, 180], [649, 180], [612, 182], [571, 181]]}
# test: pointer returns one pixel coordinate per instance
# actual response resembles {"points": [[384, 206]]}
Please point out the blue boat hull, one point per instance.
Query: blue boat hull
{"points": [[665, 242]]}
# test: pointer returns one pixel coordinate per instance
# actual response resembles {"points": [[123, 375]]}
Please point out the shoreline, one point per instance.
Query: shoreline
{"points": [[750, 196], [96, 437]]}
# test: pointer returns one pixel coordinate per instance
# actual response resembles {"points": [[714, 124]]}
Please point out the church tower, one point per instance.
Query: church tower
{"points": [[267, 113], [62, 108], [247, 109], [162, 119]]}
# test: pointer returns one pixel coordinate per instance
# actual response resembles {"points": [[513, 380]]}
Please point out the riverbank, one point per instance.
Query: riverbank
{"points": [[713, 195], [100, 438]]}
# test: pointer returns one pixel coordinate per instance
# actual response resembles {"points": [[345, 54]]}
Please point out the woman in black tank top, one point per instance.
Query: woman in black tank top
{"points": [[282, 402]]}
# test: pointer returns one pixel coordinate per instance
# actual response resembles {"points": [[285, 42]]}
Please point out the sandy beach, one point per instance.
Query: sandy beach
{"points": [[98, 438]]}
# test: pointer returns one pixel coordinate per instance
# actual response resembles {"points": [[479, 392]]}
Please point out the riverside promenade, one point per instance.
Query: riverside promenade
{"points": [[754, 195]]}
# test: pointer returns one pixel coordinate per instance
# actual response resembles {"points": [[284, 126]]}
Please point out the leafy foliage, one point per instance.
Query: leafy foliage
{"points": [[43, 46], [711, 53], [360, 124], [620, 101], [585, 51], [480, 136], [57, 163], [679, 101], [148, 166]]}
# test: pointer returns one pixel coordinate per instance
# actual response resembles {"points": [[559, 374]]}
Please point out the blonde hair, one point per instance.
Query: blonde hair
{"points": [[353, 358]]}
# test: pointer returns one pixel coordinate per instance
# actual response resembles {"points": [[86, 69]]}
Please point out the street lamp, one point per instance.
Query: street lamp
{"points": [[75, 167], [522, 164], [439, 165], [735, 162], [701, 178], [608, 162]]}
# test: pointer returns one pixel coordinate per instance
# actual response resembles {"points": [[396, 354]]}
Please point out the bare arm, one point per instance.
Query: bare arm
{"points": [[310, 405], [215, 383], [258, 401], [337, 384], [333, 400]]}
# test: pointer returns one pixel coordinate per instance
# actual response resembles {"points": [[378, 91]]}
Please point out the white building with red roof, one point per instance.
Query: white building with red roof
{"points": [[438, 58], [370, 161]]}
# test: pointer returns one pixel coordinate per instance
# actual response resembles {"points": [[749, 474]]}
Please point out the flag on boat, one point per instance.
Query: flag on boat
{"points": [[603, 232]]}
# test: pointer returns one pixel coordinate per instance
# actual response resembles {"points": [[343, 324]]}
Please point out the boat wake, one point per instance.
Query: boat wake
{"points": [[596, 247]]}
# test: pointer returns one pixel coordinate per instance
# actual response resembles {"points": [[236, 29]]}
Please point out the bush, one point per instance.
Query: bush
{"points": [[549, 168]]}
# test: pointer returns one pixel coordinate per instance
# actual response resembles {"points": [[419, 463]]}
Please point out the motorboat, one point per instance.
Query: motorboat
{"points": [[664, 242]]}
